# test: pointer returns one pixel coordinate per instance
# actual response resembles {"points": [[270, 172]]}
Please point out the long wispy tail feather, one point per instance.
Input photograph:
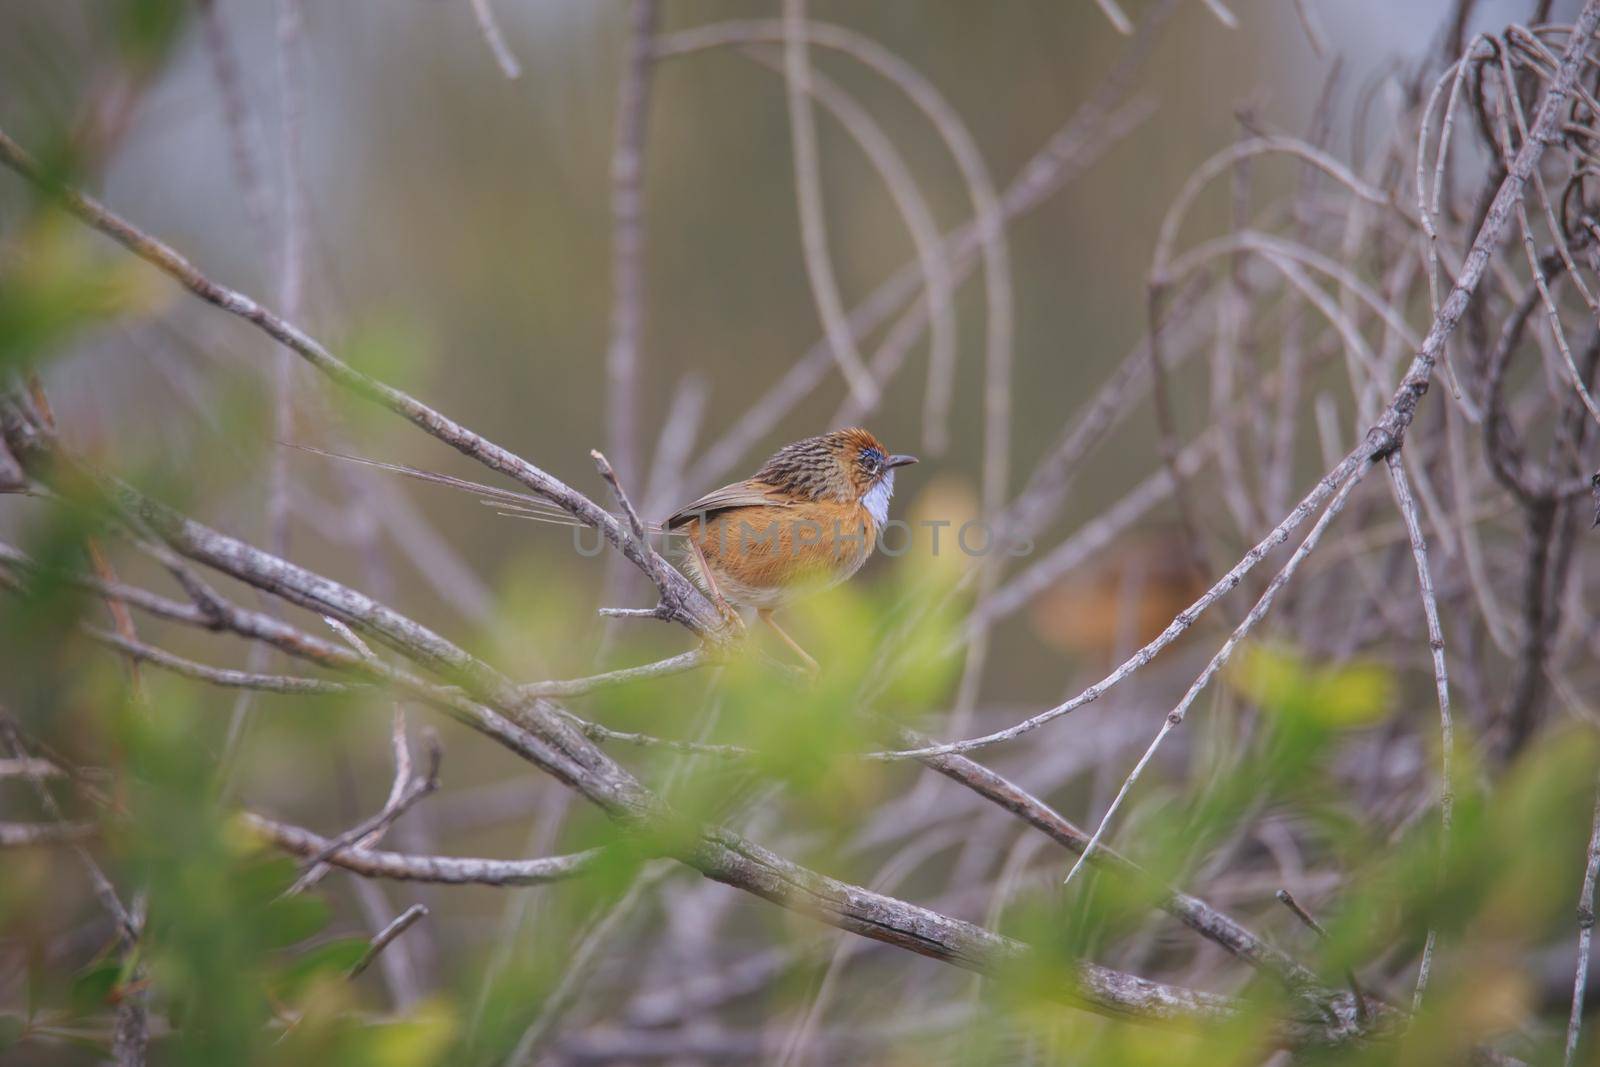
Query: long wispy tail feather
{"points": [[507, 502]]}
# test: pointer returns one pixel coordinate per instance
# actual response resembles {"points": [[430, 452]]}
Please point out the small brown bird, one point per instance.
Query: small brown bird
{"points": [[807, 520]]}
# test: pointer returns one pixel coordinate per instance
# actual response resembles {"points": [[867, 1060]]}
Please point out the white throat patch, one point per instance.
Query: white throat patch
{"points": [[877, 499]]}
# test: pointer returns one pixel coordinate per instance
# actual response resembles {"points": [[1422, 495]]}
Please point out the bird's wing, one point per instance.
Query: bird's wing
{"points": [[744, 494]]}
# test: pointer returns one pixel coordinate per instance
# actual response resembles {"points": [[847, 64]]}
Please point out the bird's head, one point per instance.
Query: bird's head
{"points": [[848, 465], [864, 460]]}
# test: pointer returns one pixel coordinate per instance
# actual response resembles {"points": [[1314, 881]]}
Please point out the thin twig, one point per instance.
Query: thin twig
{"points": [[627, 239], [1580, 979], [409, 867], [679, 664], [403, 922], [1287, 899], [1316, 36], [495, 39], [404, 792], [1115, 15], [654, 566], [1175, 717], [221, 676], [1441, 679], [813, 221], [24, 834], [127, 924]]}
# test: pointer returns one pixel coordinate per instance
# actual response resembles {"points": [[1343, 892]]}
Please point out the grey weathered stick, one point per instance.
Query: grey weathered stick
{"points": [[28, 768], [1199, 916], [105, 892], [1441, 680], [1115, 15], [1287, 899], [220, 676], [1175, 717], [684, 661], [402, 922], [808, 194], [1580, 978], [627, 241], [495, 39], [243, 134], [23, 834], [654, 566], [291, 258], [409, 867], [404, 793]]}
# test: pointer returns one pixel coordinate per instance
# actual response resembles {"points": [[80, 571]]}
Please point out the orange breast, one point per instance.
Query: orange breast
{"points": [[760, 551]]}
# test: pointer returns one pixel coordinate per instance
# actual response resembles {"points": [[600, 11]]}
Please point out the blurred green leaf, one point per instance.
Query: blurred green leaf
{"points": [[55, 282], [389, 347], [12, 1027], [289, 920], [92, 988], [330, 960], [1334, 696], [148, 29]]}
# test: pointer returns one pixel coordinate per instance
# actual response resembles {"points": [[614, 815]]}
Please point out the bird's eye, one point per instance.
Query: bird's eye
{"points": [[872, 459]]}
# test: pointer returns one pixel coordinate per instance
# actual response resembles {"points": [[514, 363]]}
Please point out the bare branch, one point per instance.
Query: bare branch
{"points": [[447, 870], [1115, 15], [222, 676], [627, 239], [1441, 678], [403, 922], [23, 834], [1580, 980], [1175, 717], [813, 224], [679, 664], [495, 39]]}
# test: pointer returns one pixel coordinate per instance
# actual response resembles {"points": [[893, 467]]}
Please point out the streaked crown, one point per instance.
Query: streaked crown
{"points": [[843, 465]]}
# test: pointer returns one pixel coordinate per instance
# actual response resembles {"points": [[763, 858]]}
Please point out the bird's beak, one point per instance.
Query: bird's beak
{"points": [[900, 461]]}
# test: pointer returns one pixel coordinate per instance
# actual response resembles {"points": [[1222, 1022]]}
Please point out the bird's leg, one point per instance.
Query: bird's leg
{"points": [[728, 613], [811, 665]]}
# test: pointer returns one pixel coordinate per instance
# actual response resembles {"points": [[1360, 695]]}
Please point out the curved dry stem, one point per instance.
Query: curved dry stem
{"points": [[988, 218], [936, 308], [409, 867], [813, 221]]}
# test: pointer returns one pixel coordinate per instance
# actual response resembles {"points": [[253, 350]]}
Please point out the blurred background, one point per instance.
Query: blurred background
{"points": [[457, 243], [477, 266]]}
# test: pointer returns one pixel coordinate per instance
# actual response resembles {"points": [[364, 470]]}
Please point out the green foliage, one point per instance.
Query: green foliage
{"points": [[1502, 881], [56, 280], [94, 987], [391, 347], [12, 1028], [146, 30], [222, 955], [327, 962], [1333, 696]]}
